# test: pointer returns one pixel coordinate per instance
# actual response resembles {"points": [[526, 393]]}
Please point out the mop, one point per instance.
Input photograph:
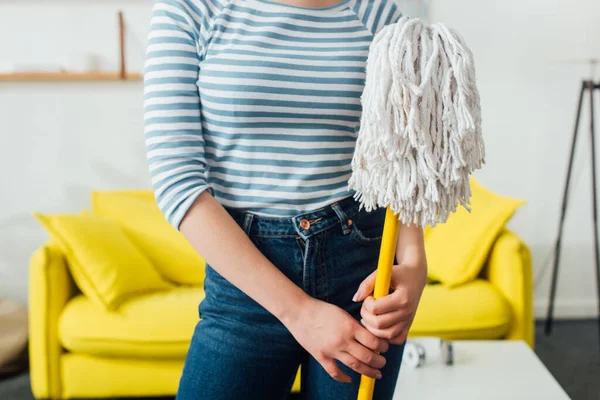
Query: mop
{"points": [[420, 135]]}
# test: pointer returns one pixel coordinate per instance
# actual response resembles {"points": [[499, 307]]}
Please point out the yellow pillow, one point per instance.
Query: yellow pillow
{"points": [[457, 250], [170, 252], [107, 267]]}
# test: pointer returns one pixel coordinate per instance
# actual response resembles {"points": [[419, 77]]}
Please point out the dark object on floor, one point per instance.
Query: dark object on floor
{"points": [[571, 354]]}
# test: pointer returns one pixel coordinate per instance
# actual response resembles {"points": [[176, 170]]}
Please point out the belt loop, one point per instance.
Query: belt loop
{"points": [[247, 224], [343, 218]]}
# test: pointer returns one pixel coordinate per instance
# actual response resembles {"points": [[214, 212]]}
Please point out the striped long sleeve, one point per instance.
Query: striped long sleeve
{"points": [[172, 117]]}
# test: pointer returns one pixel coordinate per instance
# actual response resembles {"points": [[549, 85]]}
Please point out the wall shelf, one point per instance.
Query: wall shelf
{"points": [[67, 76], [63, 76]]}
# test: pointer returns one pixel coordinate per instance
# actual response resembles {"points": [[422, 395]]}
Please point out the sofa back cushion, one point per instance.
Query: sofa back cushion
{"points": [[168, 250], [457, 250], [108, 268]]}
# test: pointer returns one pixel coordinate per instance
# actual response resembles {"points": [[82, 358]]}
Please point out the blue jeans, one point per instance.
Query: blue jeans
{"points": [[241, 351]]}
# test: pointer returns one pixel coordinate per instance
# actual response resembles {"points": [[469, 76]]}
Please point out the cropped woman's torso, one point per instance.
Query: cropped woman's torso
{"points": [[279, 93]]}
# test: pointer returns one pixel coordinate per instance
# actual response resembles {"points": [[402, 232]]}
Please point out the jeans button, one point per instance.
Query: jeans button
{"points": [[305, 224]]}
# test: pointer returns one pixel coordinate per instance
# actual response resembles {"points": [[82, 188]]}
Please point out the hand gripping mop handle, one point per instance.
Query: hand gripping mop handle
{"points": [[382, 282]]}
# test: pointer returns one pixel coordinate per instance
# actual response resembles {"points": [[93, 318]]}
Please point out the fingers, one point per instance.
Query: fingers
{"points": [[358, 366], [386, 320], [370, 341], [388, 317], [396, 300], [365, 288], [334, 371], [391, 332], [401, 338], [366, 356]]}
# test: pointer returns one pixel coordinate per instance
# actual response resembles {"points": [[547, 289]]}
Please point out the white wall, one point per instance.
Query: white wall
{"points": [[529, 98], [58, 141]]}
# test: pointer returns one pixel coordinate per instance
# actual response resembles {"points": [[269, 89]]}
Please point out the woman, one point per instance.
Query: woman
{"points": [[252, 109]]}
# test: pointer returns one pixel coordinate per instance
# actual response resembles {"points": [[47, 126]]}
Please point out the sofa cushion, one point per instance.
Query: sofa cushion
{"points": [[457, 250], [475, 310], [106, 265], [168, 250], [158, 325]]}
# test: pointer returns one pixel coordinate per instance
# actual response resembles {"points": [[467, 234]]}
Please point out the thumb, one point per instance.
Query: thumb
{"points": [[365, 288]]}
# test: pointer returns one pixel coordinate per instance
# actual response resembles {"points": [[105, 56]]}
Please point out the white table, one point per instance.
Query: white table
{"points": [[482, 370]]}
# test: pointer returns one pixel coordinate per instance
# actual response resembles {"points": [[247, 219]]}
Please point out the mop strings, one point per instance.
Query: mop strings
{"points": [[420, 135]]}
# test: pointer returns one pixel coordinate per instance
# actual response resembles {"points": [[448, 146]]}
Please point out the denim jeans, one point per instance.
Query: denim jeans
{"points": [[241, 351]]}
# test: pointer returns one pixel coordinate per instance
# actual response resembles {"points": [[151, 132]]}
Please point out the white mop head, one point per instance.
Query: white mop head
{"points": [[420, 134]]}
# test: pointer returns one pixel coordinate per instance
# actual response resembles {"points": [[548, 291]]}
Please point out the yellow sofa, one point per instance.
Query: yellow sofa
{"points": [[79, 349]]}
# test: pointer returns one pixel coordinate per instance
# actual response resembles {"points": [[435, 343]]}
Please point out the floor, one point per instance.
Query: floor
{"points": [[572, 355]]}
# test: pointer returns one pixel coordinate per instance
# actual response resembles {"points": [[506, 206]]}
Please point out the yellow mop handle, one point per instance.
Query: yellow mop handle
{"points": [[382, 283]]}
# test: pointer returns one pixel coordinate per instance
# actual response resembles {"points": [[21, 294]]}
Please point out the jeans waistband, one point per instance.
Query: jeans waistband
{"points": [[304, 225]]}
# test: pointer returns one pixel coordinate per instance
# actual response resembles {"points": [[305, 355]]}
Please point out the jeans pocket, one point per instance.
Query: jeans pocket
{"points": [[359, 237], [367, 227]]}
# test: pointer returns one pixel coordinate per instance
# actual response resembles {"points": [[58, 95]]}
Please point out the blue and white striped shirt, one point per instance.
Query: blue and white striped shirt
{"points": [[256, 101]]}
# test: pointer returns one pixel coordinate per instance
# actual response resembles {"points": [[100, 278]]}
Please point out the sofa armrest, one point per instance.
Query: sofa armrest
{"points": [[50, 288], [509, 270]]}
